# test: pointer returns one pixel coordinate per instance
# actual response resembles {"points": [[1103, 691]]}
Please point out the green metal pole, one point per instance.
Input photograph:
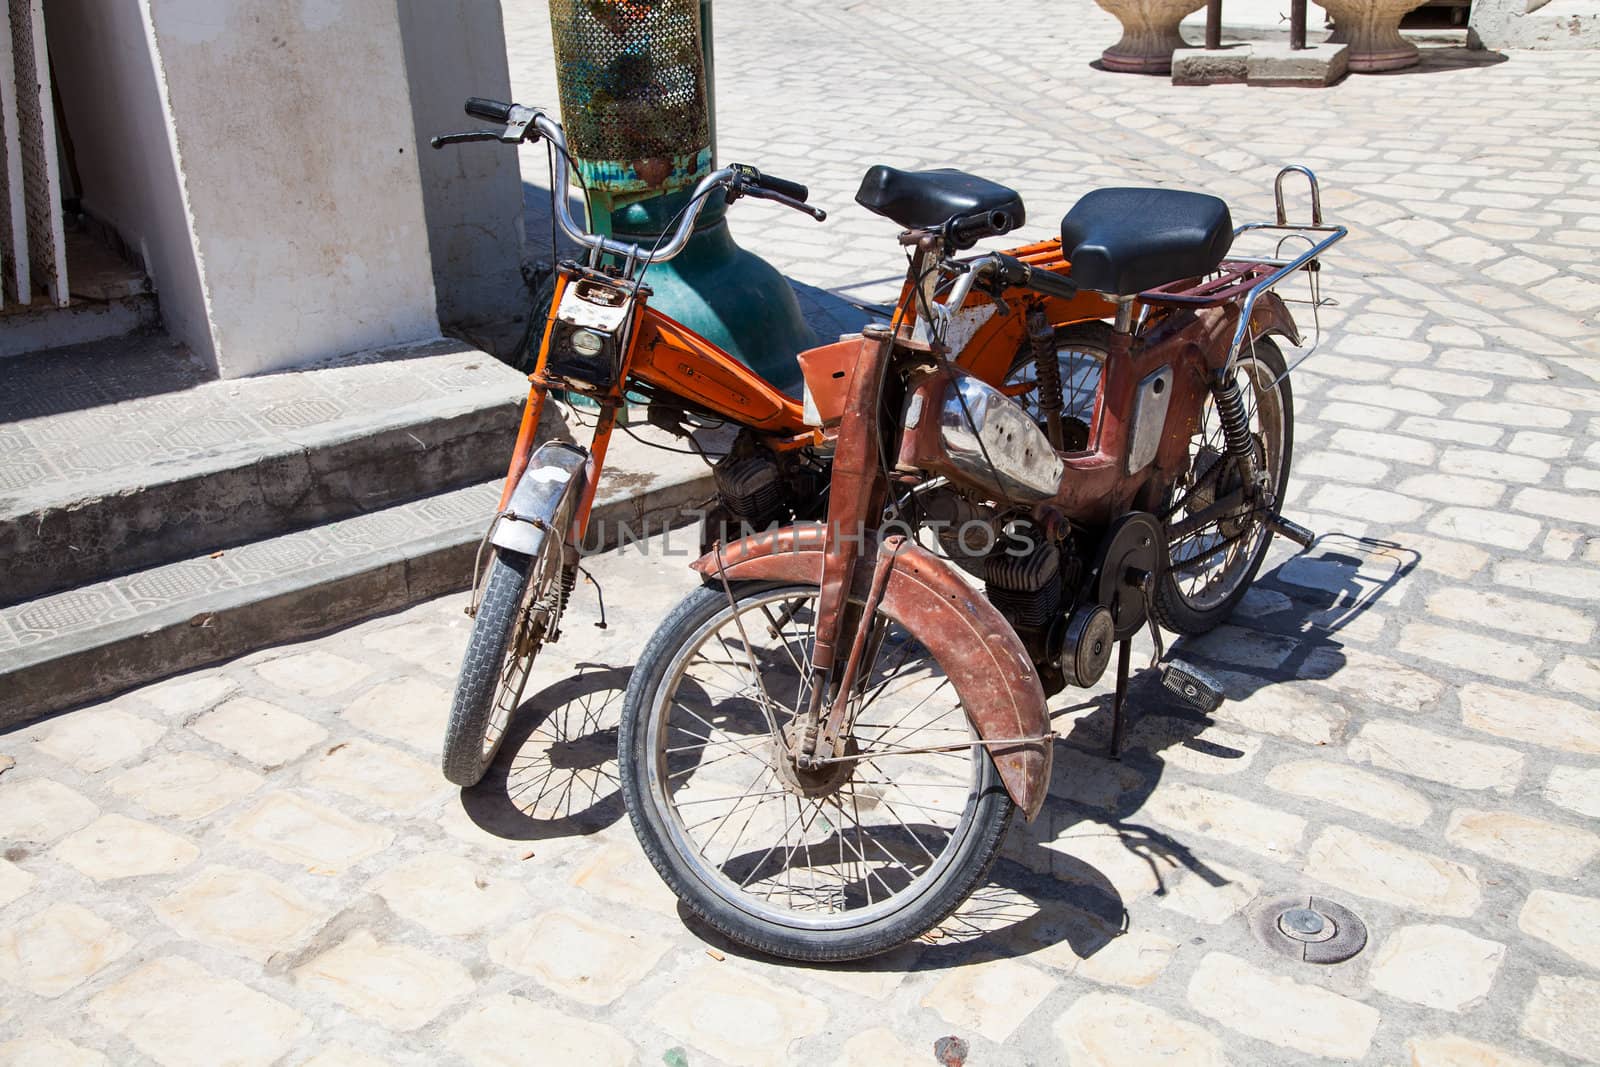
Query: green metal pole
{"points": [[726, 294]]}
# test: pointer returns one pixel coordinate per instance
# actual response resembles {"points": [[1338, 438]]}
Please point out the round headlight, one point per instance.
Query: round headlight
{"points": [[587, 342]]}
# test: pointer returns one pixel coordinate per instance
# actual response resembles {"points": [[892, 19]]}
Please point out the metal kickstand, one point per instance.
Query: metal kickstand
{"points": [[1120, 698]]}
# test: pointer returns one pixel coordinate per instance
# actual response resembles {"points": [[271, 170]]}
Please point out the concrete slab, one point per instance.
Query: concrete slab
{"points": [[98, 639], [1315, 66], [123, 455]]}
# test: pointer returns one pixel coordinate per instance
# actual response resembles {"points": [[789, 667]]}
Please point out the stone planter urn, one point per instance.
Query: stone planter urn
{"points": [[1149, 34], [1372, 30]]}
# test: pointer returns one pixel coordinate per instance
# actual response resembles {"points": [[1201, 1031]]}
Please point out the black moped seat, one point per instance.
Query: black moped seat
{"points": [[1124, 241], [927, 199]]}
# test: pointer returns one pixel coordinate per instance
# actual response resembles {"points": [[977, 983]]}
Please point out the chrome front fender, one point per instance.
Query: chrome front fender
{"points": [[543, 499], [978, 649]]}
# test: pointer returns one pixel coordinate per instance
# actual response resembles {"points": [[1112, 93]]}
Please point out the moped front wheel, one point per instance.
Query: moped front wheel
{"points": [[835, 862], [514, 616], [1213, 557]]}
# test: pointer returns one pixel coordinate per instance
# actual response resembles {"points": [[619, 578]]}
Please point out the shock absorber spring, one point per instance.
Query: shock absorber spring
{"points": [[1047, 373], [1236, 429]]}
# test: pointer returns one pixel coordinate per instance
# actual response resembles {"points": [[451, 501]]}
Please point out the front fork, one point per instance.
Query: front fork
{"points": [[856, 497]]}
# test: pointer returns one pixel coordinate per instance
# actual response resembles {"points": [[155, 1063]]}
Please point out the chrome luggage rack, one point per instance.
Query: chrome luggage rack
{"points": [[1254, 275]]}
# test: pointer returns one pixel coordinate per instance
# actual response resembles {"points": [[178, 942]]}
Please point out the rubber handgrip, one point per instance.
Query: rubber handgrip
{"points": [[965, 231], [492, 110], [1048, 283], [785, 187]]}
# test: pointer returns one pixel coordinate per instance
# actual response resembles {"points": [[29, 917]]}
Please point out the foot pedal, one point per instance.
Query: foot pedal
{"points": [[1291, 530], [1192, 686]]}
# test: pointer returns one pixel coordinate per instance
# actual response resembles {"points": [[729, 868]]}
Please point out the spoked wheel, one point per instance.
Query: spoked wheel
{"points": [[523, 598], [845, 860], [1081, 351], [1213, 559]]}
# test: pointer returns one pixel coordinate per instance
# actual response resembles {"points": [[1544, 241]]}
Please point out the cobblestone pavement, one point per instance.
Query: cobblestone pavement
{"points": [[259, 863]]}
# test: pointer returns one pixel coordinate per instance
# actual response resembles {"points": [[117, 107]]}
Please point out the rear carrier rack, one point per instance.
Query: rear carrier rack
{"points": [[1254, 275]]}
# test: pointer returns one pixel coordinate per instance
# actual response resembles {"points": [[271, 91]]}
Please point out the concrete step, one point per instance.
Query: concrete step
{"points": [[121, 456], [97, 640]]}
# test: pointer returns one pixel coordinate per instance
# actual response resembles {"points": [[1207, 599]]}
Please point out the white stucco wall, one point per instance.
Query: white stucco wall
{"points": [[111, 93], [472, 193], [292, 122]]}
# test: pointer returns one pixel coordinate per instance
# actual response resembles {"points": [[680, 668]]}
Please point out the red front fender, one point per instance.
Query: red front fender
{"points": [[973, 643]]}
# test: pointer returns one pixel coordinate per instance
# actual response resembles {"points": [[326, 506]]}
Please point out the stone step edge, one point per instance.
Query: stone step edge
{"points": [[466, 438], [59, 674]]}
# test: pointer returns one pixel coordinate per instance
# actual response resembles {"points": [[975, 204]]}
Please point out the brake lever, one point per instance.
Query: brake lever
{"points": [[461, 138], [763, 193]]}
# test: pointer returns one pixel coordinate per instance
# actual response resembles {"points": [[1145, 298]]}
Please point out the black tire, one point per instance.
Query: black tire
{"points": [[468, 750], [1183, 611], [971, 852], [1081, 351]]}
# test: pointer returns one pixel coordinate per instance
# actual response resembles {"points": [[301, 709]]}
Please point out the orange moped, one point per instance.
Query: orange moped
{"points": [[604, 342]]}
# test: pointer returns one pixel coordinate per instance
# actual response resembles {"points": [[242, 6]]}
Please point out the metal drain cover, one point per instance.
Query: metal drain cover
{"points": [[1311, 929]]}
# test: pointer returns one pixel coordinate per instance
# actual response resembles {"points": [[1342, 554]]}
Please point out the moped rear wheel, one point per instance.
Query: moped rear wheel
{"points": [[839, 862], [1211, 564], [521, 602]]}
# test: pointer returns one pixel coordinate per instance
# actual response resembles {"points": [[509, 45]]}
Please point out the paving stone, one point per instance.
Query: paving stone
{"points": [[737, 1016], [14, 882], [1437, 966], [1565, 1014], [1354, 790], [1539, 445], [295, 830], [1098, 855], [185, 785], [394, 985], [240, 911], [1107, 1030], [1453, 489], [96, 738], [1179, 743], [41, 1049], [313, 673], [115, 846], [1578, 583], [447, 894], [501, 1030], [431, 645], [1469, 651], [409, 710], [1297, 714], [1533, 843], [39, 810], [1501, 413], [339, 1054], [1530, 717], [383, 777], [1280, 1011], [1451, 558], [1485, 527], [1244, 823], [180, 1015], [1568, 507], [1536, 618], [1493, 464], [991, 997], [1576, 789], [1424, 754], [1373, 505], [1394, 874], [580, 958], [1386, 447], [1471, 433], [1452, 1050], [621, 874], [187, 694], [54, 950], [263, 733], [1570, 923], [1212, 893], [879, 1047]]}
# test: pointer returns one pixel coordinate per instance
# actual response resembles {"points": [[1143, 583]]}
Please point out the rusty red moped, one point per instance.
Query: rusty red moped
{"points": [[822, 747]]}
